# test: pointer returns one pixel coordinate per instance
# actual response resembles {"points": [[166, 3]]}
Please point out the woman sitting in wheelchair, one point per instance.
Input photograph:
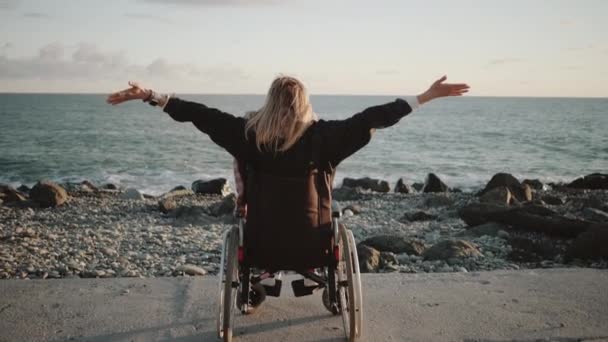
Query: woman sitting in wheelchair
{"points": [[285, 161]]}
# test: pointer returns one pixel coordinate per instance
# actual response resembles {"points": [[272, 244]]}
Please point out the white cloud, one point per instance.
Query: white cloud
{"points": [[502, 61], [8, 4], [36, 15], [144, 16], [87, 64]]}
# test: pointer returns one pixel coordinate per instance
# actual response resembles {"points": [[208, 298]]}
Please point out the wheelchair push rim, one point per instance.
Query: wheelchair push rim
{"points": [[227, 290]]}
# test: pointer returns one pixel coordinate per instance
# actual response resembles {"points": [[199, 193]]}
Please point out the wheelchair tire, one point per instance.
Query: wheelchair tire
{"points": [[347, 294], [228, 291], [356, 283]]}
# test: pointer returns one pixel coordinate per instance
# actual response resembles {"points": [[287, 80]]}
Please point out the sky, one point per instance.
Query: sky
{"points": [[382, 47]]}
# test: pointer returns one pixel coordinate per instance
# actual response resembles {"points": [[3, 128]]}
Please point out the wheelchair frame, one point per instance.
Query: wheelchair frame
{"points": [[340, 280]]}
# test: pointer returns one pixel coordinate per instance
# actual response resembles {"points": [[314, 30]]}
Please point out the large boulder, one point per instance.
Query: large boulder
{"points": [[8, 194], [529, 218], [434, 184], [475, 214], [448, 249], [224, 207], [367, 183], [166, 205], [48, 194], [521, 192], [395, 244], [529, 249], [489, 229], [594, 181], [347, 194], [534, 184], [369, 258], [499, 195], [218, 186], [417, 216], [590, 245], [403, 187], [132, 194]]}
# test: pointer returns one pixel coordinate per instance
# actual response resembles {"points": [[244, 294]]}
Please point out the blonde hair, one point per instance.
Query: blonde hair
{"points": [[284, 118]]}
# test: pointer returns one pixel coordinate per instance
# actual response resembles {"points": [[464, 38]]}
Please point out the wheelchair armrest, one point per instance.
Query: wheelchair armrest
{"points": [[336, 211]]}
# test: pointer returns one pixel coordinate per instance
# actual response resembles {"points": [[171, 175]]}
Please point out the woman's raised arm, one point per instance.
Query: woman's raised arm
{"points": [[224, 129]]}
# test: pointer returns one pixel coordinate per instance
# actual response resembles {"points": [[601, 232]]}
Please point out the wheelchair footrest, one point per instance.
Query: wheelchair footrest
{"points": [[300, 289], [275, 290]]}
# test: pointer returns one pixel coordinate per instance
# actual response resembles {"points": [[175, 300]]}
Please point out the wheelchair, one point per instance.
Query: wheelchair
{"points": [[241, 288]]}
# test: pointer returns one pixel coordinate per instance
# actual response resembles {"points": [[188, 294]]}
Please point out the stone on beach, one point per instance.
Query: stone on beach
{"points": [[48, 194], [224, 207], [191, 270], [166, 205], [434, 184], [403, 188], [590, 245], [367, 183], [395, 244], [218, 186], [8, 194], [369, 258], [417, 216], [132, 194], [447, 249], [534, 184], [499, 195], [520, 192], [594, 181]]}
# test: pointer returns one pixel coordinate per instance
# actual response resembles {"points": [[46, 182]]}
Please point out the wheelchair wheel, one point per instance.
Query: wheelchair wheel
{"points": [[228, 277], [349, 290], [357, 282]]}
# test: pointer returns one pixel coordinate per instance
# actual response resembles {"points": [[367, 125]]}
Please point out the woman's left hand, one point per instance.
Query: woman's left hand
{"points": [[135, 92]]}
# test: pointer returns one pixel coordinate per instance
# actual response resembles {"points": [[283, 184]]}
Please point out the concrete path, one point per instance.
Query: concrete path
{"points": [[531, 305]]}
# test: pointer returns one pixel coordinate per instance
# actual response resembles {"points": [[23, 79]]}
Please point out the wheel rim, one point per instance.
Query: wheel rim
{"points": [[228, 292], [357, 283], [351, 299]]}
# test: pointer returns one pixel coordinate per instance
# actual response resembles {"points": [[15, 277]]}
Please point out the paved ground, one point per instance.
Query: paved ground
{"points": [[547, 305]]}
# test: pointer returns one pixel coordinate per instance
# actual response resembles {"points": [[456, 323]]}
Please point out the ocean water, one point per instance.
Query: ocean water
{"points": [[465, 140]]}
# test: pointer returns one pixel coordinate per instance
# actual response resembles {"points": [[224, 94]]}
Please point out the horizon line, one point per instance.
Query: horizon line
{"points": [[324, 94]]}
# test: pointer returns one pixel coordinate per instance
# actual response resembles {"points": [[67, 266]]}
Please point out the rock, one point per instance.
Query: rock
{"points": [[595, 215], [387, 259], [525, 249], [369, 258], [48, 194], [475, 214], [441, 200], [402, 187], [178, 188], [166, 205], [85, 184], [417, 216], [218, 186], [418, 186], [590, 245], [594, 181], [521, 192], [225, 207], [489, 229], [177, 193], [553, 200], [8, 194], [195, 215], [434, 184], [346, 194], [395, 244], [191, 270], [109, 251], [109, 186], [447, 249], [366, 184], [354, 208], [23, 189], [534, 184], [499, 195], [132, 194]]}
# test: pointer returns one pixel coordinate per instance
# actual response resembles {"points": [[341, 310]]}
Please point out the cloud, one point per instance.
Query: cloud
{"points": [[572, 67], [36, 15], [86, 62], [8, 4], [580, 48], [143, 16], [214, 2], [567, 22], [502, 61]]}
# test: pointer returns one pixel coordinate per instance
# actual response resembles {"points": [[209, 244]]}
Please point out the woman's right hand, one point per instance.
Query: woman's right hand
{"points": [[135, 92], [441, 89]]}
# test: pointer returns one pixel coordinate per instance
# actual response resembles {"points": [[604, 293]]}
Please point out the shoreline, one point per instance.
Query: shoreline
{"points": [[105, 233]]}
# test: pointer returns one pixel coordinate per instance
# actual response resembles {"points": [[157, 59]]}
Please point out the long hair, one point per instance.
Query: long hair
{"points": [[284, 117]]}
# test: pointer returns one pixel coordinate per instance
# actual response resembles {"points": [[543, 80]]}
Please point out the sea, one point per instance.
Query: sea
{"points": [[464, 140]]}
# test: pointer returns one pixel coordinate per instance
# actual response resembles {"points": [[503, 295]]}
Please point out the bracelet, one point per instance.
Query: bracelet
{"points": [[152, 99]]}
